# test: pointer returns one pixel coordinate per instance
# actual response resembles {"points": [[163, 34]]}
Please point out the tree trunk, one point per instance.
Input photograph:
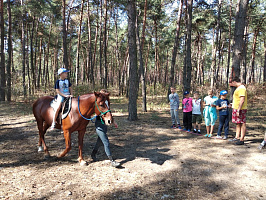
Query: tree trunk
{"points": [[89, 53], [23, 52], [27, 57], [256, 33], [40, 64], [238, 45], [65, 56], [48, 52], [2, 63], [105, 46], [218, 41], [144, 25], [133, 77], [264, 67], [78, 45], [55, 66], [213, 65], [188, 65], [172, 73], [9, 51], [101, 38], [32, 57], [244, 61], [141, 69], [229, 45], [238, 37]]}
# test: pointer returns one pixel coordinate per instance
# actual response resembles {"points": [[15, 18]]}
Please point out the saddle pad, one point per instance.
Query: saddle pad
{"points": [[66, 105]]}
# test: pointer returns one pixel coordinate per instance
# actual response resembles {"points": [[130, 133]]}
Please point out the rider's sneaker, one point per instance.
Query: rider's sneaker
{"points": [[225, 138], [52, 126], [179, 127], [195, 131], [219, 137], [206, 135], [210, 135], [188, 130]]}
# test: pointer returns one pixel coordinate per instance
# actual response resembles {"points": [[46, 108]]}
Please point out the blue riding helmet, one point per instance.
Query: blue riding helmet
{"points": [[186, 92], [223, 92]]}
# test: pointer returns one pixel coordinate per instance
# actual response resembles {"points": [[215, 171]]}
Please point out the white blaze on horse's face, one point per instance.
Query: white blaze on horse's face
{"points": [[108, 118], [106, 102]]}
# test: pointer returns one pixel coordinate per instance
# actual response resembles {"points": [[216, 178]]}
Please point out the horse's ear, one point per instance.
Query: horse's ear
{"points": [[97, 94]]}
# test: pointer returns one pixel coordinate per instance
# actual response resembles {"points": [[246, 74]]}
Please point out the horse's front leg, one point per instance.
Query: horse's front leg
{"points": [[67, 136], [81, 134]]}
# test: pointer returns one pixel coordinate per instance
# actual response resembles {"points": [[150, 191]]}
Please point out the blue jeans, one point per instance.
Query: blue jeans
{"points": [[101, 130], [174, 116], [223, 122]]}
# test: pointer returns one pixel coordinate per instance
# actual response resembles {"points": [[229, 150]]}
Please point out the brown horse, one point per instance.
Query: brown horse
{"points": [[81, 110]]}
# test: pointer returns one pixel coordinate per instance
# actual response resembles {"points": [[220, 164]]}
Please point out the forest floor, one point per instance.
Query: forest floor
{"points": [[157, 162]]}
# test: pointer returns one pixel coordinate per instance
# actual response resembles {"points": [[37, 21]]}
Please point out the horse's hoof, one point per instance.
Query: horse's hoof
{"points": [[40, 149], [83, 163]]}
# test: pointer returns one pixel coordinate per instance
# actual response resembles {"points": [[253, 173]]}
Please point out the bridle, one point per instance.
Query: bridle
{"points": [[90, 119]]}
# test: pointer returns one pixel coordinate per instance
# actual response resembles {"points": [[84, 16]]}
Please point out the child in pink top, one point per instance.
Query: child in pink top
{"points": [[187, 112]]}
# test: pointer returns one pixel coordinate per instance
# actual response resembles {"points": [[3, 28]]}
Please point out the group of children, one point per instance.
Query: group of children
{"points": [[192, 112]]}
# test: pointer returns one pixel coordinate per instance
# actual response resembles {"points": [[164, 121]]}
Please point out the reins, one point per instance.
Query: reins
{"points": [[90, 119]]}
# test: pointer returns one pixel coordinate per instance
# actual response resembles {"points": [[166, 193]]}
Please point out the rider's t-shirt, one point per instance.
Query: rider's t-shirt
{"points": [[63, 86]]}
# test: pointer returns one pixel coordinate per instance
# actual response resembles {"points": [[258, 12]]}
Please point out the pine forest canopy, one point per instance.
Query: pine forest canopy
{"points": [[90, 37]]}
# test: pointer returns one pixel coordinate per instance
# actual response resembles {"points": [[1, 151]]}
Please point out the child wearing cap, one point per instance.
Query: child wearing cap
{"points": [[63, 89], [209, 112], [222, 105], [187, 112]]}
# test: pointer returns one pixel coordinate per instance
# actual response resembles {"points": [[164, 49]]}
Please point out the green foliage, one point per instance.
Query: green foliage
{"points": [[40, 15]]}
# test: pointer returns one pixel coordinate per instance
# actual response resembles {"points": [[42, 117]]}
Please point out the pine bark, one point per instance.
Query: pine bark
{"points": [[239, 37], [264, 67], [78, 45], [176, 44], [229, 45], [188, 65], [2, 63], [9, 51], [133, 77], [65, 56], [141, 69]]}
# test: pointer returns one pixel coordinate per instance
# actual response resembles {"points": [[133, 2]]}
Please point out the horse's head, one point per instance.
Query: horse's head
{"points": [[102, 107]]}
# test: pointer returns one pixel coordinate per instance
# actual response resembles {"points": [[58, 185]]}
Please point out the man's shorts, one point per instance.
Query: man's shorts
{"points": [[241, 119], [196, 118]]}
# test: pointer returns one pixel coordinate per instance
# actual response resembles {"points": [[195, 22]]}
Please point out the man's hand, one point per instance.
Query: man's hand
{"points": [[115, 124]]}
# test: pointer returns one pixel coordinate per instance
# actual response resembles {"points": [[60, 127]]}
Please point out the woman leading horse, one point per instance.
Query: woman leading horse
{"points": [[77, 120]]}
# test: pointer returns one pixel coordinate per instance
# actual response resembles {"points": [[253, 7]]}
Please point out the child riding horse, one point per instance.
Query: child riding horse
{"points": [[83, 107]]}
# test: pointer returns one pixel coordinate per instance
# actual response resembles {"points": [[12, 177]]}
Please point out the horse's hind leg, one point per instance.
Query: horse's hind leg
{"points": [[42, 130]]}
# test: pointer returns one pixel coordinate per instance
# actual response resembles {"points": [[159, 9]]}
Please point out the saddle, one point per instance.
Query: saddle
{"points": [[64, 110]]}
